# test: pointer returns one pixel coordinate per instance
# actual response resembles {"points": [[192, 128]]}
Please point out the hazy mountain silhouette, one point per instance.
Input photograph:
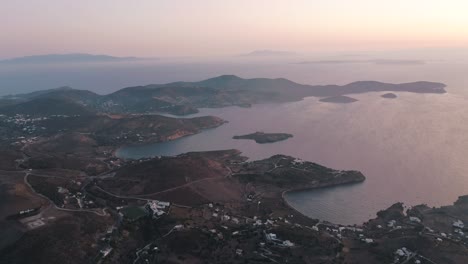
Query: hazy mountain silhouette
{"points": [[375, 61], [267, 53], [68, 58], [227, 90]]}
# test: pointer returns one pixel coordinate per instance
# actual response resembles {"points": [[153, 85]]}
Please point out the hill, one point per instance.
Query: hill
{"points": [[182, 98], [46, 107], [75, 142]]}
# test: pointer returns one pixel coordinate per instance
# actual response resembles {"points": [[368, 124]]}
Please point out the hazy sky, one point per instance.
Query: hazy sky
{"points": [[222, 27]]}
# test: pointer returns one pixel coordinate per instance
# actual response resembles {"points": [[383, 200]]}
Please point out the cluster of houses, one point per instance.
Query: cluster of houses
{"points": [[28, 125], [23, 140], [21, 119], [457, 236], [25, 125], [271, 237], [69, 198], [105, 243], [403, 255], [144, 254], [157, 208], [131, 136], [255, 222]]}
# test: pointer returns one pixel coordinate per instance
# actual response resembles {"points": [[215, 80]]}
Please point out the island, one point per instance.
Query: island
{"points": [[340, 99], [389, 95], [262, 138]]}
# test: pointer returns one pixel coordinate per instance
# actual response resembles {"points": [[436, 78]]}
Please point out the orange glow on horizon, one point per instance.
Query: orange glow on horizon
{"points": [[208, 27]]}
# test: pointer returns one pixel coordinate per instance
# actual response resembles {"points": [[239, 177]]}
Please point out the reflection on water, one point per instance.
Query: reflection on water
{"points": [[412, 149]]}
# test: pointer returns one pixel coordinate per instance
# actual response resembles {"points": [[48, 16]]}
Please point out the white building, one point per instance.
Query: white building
{"points": [[458, 224], [270, 236]]}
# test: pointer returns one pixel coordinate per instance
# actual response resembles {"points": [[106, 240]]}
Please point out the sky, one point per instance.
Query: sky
{"points": [[158, 28]]}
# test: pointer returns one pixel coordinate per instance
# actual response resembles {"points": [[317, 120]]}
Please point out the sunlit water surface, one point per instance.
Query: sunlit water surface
{"points": [[411, 149]]}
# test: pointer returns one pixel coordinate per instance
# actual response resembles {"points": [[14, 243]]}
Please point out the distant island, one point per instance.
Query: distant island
{"points": [[265, 53], [340, 99], [376, 61], [67, 58], [389, 95], [262, 138]]}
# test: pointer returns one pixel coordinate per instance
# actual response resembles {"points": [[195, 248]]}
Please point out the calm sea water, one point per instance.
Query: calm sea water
{"points": [[412, 149], [108, 77]]}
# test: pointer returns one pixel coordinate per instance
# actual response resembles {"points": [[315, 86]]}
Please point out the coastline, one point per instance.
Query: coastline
{"points": [[292, 190], [116, 149]]}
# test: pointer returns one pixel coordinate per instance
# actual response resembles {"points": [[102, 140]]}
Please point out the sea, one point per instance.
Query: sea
{"points": [[412, 149]]}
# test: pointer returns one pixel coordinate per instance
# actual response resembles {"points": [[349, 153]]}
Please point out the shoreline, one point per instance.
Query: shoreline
{"points": [[117, 148], [289, 205]]}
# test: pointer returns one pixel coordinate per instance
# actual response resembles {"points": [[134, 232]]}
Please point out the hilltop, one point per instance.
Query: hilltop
{"points": [[46, 106]]}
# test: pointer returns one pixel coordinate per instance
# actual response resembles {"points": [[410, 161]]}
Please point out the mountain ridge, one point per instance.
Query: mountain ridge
{"points": [[182, 98], [267, 53]]}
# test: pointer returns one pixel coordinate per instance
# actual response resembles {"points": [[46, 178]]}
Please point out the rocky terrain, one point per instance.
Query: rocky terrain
{"points": [[262, 138]]}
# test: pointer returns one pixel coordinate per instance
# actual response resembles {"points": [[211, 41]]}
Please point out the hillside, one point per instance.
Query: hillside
{"points": [[181, 98], [228, 90], [46, 106], [221, 175], [129, 129], [75, 142]]}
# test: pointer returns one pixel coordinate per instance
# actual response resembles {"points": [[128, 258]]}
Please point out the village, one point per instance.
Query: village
{"points": [[151, 226], [274, 238], [257, 237], [21, 126]]}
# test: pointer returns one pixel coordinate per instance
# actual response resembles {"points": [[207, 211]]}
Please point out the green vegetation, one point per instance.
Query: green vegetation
{"points": [[133, 213]]}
